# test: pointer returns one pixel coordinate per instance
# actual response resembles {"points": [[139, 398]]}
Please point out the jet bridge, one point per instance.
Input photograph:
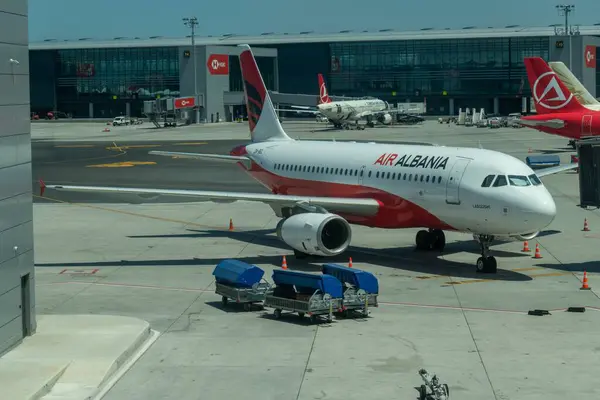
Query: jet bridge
{"points": [[588, 152]]}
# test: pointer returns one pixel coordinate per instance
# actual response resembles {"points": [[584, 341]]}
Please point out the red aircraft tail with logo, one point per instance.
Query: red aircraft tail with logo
{"points": [[323, 95], [550, 94]]}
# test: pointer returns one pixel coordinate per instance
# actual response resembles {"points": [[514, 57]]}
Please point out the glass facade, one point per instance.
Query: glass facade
{"points": [[434, 69], [109, 78]]}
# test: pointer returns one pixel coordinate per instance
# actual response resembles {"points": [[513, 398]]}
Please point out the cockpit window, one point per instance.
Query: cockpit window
{"points": [[500, 181], [518, 180], [535, 180], [488, 181]]}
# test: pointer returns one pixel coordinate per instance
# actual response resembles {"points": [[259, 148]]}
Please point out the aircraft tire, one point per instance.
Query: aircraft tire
{"points": [[487, 265]]}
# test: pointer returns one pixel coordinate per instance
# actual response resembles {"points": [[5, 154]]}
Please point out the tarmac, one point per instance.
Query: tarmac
{"points": [[153, 263]]}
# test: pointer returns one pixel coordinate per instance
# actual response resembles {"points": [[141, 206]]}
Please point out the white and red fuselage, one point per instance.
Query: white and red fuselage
{"points": [[417, 186]]}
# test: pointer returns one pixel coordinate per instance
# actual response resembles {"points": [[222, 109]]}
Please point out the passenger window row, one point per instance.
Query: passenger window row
{"points": [[355, 172], [513, 180], [318, 170]]}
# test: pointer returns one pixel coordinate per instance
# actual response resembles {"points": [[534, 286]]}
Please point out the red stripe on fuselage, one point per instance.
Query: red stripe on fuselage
{"points": [[394, 212]]}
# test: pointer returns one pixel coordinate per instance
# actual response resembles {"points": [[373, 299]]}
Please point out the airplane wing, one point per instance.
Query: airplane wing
{"points": [[200, 156], [299, 111], [358, 206], [555, 170]]}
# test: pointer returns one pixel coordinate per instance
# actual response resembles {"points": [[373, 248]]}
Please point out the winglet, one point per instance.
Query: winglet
{"points": [[42, 188]]}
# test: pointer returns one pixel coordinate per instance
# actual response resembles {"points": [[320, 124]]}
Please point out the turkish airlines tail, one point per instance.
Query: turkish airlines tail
{"points": [[551, 95], [262, 117], [323, 95]]}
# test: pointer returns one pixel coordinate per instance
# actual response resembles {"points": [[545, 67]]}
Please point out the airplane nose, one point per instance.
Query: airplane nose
{"points": [[541, 213]]}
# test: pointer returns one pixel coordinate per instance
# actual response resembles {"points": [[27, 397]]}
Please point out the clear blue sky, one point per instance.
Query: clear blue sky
{"points": [[72, 19]]}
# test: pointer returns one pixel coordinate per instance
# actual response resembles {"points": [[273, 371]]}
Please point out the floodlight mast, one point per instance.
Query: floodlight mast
{"points": [[566, 10], [192, 22]]}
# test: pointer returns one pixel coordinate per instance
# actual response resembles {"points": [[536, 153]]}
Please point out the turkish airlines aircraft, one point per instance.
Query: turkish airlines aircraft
{"points": [[574, 85], [347, 113], [558, 110], [320, 188]]}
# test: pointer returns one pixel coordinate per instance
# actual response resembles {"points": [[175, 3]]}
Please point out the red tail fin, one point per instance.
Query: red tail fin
{"points": [[549, 92], [323, 96]]}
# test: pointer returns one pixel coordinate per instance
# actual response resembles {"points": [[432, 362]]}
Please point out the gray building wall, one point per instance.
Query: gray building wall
{"points": [[16, 213], [587, 76], [214, 87]]}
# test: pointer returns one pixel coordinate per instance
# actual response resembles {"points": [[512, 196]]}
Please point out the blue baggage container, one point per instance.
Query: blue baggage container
{"points": [[359, 279], [237, 273], [309, 283], [549, 160]]}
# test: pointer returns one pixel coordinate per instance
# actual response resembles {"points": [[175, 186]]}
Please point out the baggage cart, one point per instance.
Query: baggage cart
{"points": [[305, 293], [240, 282], [245, 296], [361, 288]]}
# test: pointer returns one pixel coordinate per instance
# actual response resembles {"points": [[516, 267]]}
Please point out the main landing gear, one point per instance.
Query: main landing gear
{"points": [[572, 144], [486, 263], [433, 239]]}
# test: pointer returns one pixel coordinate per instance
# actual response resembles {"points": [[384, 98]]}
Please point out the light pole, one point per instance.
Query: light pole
{"points": [[567, 9], [192, 22]]}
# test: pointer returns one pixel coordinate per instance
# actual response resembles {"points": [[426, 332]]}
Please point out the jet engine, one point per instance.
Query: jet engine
{"points": [[512, 238], [527, 236], [385, 119], [315, 233]]}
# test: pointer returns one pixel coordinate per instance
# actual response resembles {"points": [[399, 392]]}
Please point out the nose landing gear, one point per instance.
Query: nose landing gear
{"points": [[486, 263]]}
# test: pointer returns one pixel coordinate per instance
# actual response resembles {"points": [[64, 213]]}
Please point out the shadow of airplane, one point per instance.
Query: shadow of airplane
{"points": [[401, 258]]}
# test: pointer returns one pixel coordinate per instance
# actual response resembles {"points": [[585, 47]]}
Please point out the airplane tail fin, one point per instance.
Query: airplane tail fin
{"points": [[573, 84], [323, 95], [262, 117], [549, 92]]}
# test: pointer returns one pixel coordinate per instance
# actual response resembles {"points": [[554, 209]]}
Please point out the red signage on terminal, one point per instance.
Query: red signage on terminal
{"points": [[590, 56], [184, 102], [218, 64]]}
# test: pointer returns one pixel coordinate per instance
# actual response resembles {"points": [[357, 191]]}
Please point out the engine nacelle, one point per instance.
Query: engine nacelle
{"points": [[385, 119], [527, 236], [315, 234], [513, 238]]}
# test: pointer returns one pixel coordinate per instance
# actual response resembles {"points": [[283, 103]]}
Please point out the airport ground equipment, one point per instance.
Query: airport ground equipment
{"points": [[304, 293], [240, 282], [361, 288], [437, 390], [588, 156], [547, 160]]}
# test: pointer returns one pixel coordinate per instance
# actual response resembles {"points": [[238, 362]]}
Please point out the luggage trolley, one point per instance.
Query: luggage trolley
{"points": [[240, 282], [361, 288], [305, 293]]}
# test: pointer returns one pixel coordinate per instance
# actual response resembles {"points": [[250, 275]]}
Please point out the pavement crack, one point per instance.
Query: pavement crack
{"points": [[312, 346], [462, 310]]}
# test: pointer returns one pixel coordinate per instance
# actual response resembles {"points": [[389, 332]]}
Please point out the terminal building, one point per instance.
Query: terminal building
{"points": [[448, 69], [17, 283]]}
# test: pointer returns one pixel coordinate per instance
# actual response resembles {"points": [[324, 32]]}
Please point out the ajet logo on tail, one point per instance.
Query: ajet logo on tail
{"points": [[413, 161], [548, 93]]}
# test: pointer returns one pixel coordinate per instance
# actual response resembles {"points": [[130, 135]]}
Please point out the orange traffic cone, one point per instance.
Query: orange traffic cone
{"points": [[284, 263], [585, 285], [350, 263], [586, 227], [526, 248], [230, 224], [537, 251]]}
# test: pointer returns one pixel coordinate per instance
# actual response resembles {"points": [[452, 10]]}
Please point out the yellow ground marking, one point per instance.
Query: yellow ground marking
{"points": [[133, 146], [74, 146], [190, 144], [550, 274], [124, 164]]}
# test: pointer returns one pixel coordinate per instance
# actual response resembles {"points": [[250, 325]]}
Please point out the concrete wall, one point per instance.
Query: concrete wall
{"points": [[16, 226], [213, 86], [587, 76]]}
